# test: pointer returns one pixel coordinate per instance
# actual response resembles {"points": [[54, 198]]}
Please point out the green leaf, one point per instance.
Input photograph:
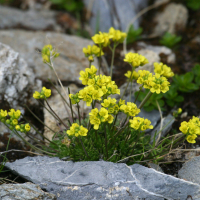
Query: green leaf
{"points": [[179, 99], [170, 103]]}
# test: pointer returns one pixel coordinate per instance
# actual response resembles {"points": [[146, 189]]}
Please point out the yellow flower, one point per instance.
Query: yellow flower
{"points": [[116, 35], [191, 138], [3, 113], [14, 122], [163, 70], [17, 127], [139, 123], [135, 75], [36, 95], [14, 114], [77, 130], [135, 59], [27, 127], [48, 51], [130, 109], [98, 38]]}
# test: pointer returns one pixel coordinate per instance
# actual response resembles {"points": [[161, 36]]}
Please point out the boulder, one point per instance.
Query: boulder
{"points": [[173, 18], [31, 19], [190, 170], [25, 191], [102, 180], [68, 65], [105, 14]]}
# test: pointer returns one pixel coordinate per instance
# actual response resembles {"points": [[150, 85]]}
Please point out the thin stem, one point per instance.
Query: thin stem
{"points": [[145, 99], [83, 147], [100, 58], [79, 117], [112, 61], [71, 106], [56, 115], [106, 142], [39, 132], [127, 84], [39, 121], [62, 98], [138, 93]]}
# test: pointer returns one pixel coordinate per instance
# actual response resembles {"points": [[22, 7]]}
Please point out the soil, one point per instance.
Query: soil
{"points": [[187, 55]]}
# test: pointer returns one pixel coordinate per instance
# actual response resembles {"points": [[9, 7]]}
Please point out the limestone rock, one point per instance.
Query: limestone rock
{"points": [[102, 180], [106, 13], [26, 191], [173, 18], [31, 19], [68, 65], [190, 170]]}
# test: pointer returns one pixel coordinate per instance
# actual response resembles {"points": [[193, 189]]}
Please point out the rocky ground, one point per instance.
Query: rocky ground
{"points": [[26, 26]]}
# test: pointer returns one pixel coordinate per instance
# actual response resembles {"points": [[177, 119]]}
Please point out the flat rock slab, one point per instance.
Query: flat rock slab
{"points": [[191, 170], [68, 65], [32, 19], [102, 180], [26, 191]]}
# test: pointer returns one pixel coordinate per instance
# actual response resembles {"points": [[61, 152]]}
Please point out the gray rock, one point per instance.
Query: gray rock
{"points": [[190, 170], [166, 127], [68, 65], [156, 167], [26, 191], [106, 13], [174, 17], [101, 180], [31, 19], [17, 81]]}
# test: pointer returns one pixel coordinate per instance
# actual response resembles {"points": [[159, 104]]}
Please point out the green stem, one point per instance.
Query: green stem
{"points": [[138, 93], [83, 147], [71, 106], [106, 143], [79, 116], [129, 80], [56, 115], [112, 61], [145, 99], [100, 59]]}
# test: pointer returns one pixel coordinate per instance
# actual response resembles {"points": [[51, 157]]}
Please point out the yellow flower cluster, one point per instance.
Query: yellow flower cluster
{"points": [[116, 35], [88, 74], [47, 52], [134, 75], [103, 39], [89, 93], [111, 105], [92, 51], [139, 123], [135, 60], [98, 86], [77, 130], [155, 83], [13, 120], [3, 115], [97, 117], [191, 129], [74, 98], [163, 70], [130, 109], [45, 93]]}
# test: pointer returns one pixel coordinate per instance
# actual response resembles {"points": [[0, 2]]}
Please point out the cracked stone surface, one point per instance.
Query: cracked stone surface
{"points": [[190, 170], [26, 191], [102, 180], [68, 65]]}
